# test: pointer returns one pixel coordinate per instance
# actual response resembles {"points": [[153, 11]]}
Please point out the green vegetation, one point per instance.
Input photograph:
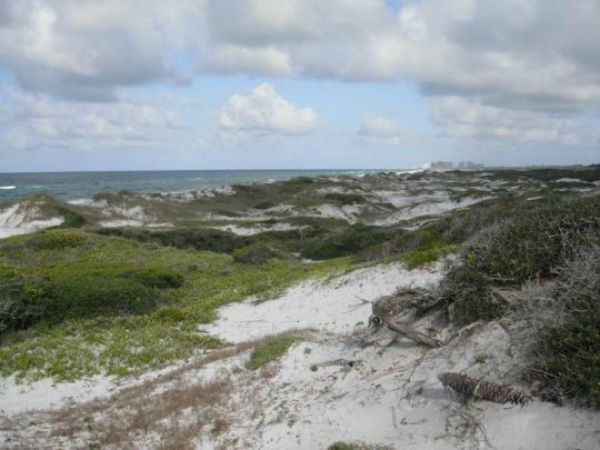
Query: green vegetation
{"points": [[344, 243], [571, 360], [421, 257], [481, 359], [416, 248], [197, 238], [344, 199], [526, 246], [118, 306], [258, 253], [270, 350], [570, 353]]}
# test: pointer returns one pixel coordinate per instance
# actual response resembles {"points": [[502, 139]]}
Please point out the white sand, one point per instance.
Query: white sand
{"points": [[23, 218], [333, 305], [388, 396], [250, 231]]}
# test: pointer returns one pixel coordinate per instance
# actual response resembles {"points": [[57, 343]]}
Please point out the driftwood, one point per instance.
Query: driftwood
{"points": [[415, 335], [485, 390], [419, 300]]}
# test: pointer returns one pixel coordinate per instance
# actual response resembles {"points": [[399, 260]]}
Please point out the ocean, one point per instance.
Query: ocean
{"points": [[69, 186]]}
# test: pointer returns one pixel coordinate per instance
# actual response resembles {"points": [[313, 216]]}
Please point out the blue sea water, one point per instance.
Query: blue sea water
{"points": [[70, 186]]}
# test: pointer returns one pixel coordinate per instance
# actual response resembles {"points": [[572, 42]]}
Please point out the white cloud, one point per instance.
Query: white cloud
{"points": [[382, 128], [239, 59], [87, 50], [463, 118], [263, 109], [527, 70], [30, 121]]}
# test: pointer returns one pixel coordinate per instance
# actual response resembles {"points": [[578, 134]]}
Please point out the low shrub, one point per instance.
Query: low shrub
{"points": [[264, 205], [170, 315], [570, 353], [258, 253], [197, 238], [85, 295], [421, 243], [527, 246], [156, 277], [71, 219], [343, 243], [80, 294], [21, 301], [344, 199], [421, 257], [570, 360], [56, 240]]}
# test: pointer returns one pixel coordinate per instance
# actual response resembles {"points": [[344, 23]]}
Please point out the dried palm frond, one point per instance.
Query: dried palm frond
{"points": [[485, 390]]}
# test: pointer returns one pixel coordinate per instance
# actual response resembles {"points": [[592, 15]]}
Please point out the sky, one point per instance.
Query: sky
{"points": [[282, 84]]}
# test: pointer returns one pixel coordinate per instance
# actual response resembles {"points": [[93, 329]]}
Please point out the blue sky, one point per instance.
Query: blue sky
{"points": [[94, 85]]}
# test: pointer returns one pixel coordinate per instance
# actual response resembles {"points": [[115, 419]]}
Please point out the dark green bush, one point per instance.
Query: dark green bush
{"points": [[571, 360], [198, 238], [344, 243], [76, 293], [72, 219], [570, 353], [170, 315], [421, 240], [344, 199], [56, 240], [421, 257], [86, 295], [264, 205], [21, 300], [258, 253], [156, 277]]}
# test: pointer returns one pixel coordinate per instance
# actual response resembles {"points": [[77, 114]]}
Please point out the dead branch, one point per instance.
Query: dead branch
{"points": [[415, 335]]}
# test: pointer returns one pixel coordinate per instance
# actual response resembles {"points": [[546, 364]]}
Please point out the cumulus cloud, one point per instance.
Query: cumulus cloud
{"points": [[87, 50], [382, 128], [263, 109], [463, 118], [543, 51], [34, 121], [529, 64]]}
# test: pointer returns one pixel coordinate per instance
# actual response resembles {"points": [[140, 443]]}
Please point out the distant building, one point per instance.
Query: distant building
{"points": [[469, 165], [440, 165]]}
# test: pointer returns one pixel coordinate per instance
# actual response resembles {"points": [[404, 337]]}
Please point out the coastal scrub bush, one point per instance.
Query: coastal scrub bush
{"points": [[258, 253], [270, 350], [344, 243], [530, 245], [421, 257], [72, 295], [56, 240], [21, 301], [570, 360], [71, 219], [217, 241], [80, 293], [345, 198], [570, 353], [418, 247], [264, 205], [155, 277]]}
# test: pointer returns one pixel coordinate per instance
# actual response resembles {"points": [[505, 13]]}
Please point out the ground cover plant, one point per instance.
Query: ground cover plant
{"points": [[270, 350], [104, 304]]}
